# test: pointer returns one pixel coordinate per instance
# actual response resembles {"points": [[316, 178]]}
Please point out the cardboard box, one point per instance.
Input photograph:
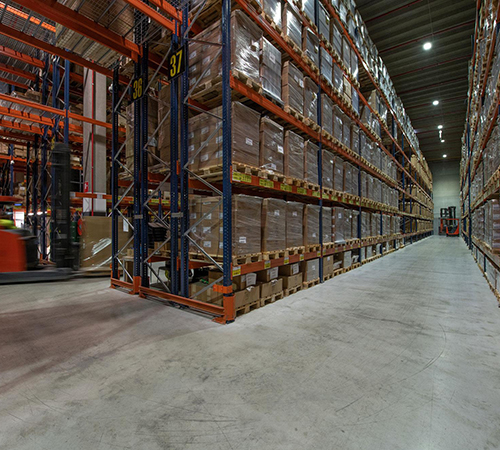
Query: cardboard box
{"points": [[292, 87], [310, 269], [311, 162], [270, 69], [292, 281], [268, 274], [247, 212], [328, 264], [294, 224], [310, 100], [273, 224], [292, 24], [270, 288], [272, 151], [289, 270], [311, 224], [294, 155]]}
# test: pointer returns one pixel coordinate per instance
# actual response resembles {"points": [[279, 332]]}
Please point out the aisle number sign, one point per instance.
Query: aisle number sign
{"points": [[176, 63], [138, 86]]}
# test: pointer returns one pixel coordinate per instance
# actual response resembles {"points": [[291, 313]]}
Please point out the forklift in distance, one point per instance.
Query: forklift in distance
{"points": [[449, 225]]}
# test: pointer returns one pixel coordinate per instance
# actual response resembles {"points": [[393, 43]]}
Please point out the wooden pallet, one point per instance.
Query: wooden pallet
{"points": [[311, 186], [247, 308], [271, 22], [293, 112], [247, 80], [246, 259], [313, 248], [272, 298], [296, 251], [308, 284], [312, 124], [327, 276], [267, 256], [291, 291], [295, 182]]}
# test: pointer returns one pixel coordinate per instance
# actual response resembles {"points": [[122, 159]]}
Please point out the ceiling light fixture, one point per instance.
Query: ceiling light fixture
{"points": [[442, 141], [444, 156], [440, 127], [427, 46], [435, 102]]}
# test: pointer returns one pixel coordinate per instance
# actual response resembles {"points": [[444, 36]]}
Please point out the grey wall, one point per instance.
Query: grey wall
{"points": [[446, 180]]}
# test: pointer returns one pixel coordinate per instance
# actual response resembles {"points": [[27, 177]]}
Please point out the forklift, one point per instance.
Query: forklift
{"points": [[449, 224], [19, 261]]}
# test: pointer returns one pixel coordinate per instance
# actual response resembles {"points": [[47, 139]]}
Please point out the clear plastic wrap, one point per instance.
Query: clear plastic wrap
{"points": [[327, 176], [327, 225], [310, 99], [377, 190], [338, 174], [355, 180], [354, 66], [375, 224], [273, 9], [354, 223], [294, 155], [310, 269], [346, 52], [292, 24], [337, 38], [338, 217], [327, 113], [355, 100], [355, 138], [338, 123], [310, 45], [338, 79], [362, 143], [495, 224], [294, 224], [245, 137], [365, 224], [326, 66], [208, 232], [348, 178], [324, 22], [272, 149], [247, 213], [311, 162], [309, 9], [270, 69], [386, 225], [347, 224], [292, 87], [365, 185], [311, 224], [346, 131], [274, 213], [371, 188]]}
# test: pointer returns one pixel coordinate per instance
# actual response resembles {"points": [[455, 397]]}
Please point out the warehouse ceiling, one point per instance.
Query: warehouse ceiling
{"points": [[399, 30]]}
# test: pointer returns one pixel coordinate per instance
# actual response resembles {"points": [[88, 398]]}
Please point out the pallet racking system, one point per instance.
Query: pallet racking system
{"points": [[144, 58], [480, 168]]}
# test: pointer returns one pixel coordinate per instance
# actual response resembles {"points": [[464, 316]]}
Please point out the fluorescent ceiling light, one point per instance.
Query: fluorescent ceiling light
{"points": [[435, 102], [440, 127], [442, 141], [444, 156], [427, 46]]}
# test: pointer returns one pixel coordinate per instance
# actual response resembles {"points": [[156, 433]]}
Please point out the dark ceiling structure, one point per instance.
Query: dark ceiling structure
{"points": [[399, 29]]}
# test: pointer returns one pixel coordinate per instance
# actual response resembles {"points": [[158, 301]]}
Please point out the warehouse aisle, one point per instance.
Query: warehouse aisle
{"points": [[401, 353]]}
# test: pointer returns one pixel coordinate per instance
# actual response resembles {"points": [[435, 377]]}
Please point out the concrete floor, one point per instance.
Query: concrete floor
{"points": [[402, 353]]}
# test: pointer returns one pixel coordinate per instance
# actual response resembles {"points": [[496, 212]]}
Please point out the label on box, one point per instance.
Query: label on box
{"points": [[295, 267], [272, 58], [208, 216], [277, 212], [205, 130], [248, 141], [251, 279], [267, 264], [125, 226], [314, 235], [206, 229], [287, 260], [319, 254], [206, 60], [273, 273], [236, 271], [301, 258], [204, 157], [191, 148], [207, 244], [221, 244], [301, 83], [192, 55], [295, 214], [280, 149], [218, 139], [242, 240]]}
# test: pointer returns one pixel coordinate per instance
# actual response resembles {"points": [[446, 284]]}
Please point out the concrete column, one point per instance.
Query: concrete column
{"points": [[94, 141]]}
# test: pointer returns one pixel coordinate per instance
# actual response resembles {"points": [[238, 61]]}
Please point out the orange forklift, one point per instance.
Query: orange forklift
{"points": [[449, 224]]}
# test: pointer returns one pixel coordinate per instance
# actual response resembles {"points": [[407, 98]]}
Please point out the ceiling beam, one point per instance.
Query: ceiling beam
{"points": [[449, 100], [444, 30], [421, 69], [428, 86], [17, 72], [14, 83], [52, 49], [392, 11]]}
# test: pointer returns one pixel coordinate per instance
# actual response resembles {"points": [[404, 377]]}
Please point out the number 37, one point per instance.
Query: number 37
{"points": [[176, 63]]}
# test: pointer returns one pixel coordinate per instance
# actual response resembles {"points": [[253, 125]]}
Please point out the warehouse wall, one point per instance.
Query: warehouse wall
{"points": [[446, 175]]}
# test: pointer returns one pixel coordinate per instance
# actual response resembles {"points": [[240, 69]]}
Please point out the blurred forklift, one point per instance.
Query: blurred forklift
{"points": [[19, 260], [449, 225]]}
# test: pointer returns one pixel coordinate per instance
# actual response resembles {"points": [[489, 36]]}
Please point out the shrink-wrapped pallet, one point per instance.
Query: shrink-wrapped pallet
{"points": [[327, 225], [338, 174], [292, 87], [354, 223], [346, 52], [355, 180], [273, 9], [244, 138], [365, 224], [354, 66], [270, 69], [348, 171], [272, 151], [339, 218], [274, 213], [324, 22], [294, 155], [377, 190], [355, 100], [495, 224], [355, 138], [310, 45], [309, 8], [386, 225], [292, 24], [246, 224], [338, 123], [326, 65], [206, 212], [375, 224], [310, 269], [327, 113], [294, 224], [337, 38], [365, 185], [338, 79], [311, 224], [245, 45], [347, 224], [311, 162], [310, 100], [328, 163]]}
